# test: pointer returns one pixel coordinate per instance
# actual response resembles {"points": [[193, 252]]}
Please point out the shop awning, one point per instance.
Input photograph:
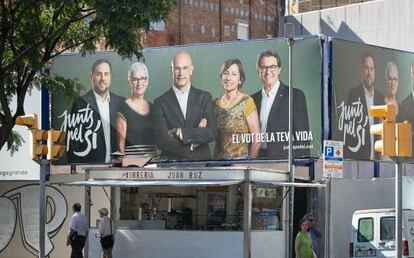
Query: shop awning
{"points": [[287, 184], [132, 183]]}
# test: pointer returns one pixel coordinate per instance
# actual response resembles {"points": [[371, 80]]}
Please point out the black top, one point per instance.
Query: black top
{"points": [[140, 128]]}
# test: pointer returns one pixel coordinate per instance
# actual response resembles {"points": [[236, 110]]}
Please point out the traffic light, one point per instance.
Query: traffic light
{"points": [[396, 137], [37, 149], [55, 150], [386, 129], [404, 137]]}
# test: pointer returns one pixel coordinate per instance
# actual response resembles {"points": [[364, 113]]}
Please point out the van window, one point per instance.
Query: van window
{"points": [[387, 228], [365, 229]]}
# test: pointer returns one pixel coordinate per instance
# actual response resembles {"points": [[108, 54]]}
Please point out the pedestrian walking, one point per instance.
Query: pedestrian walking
{"points": [[78, 231]]}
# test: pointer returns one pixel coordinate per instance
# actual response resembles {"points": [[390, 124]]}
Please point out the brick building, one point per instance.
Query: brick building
{"points": [[301, 6], [200, 21]]}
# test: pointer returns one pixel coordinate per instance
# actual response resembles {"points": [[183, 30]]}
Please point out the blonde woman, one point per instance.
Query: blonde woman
{"points": [[236, 116]]}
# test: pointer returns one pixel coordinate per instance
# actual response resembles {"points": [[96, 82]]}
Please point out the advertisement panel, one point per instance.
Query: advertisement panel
{"points": [[196, 102], [362, 76]]}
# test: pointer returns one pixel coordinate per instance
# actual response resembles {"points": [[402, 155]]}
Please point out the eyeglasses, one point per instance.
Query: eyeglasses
{"points": [[270, 68], [392, 79], [137, 80]]}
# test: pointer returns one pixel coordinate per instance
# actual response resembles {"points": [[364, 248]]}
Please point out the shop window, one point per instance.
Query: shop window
{"points": [[216, 208], [267, 206]]}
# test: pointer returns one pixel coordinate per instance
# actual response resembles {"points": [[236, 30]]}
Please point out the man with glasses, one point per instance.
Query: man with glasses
{"points": [[91, 128], [314, 231], [358, 142], [184, 116], [272, 103]]}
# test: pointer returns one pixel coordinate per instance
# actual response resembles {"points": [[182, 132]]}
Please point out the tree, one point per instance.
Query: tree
{"points": [[32, 32]]}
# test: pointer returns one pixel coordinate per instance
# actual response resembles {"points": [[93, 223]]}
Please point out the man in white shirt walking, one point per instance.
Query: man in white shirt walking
{"points": [[78, 231]]}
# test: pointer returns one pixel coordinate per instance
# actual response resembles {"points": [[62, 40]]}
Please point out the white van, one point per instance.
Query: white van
{"points": [[373, 233]]}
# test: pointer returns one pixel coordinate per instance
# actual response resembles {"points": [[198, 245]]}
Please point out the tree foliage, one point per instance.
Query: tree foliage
{"points": [[32, 32]]}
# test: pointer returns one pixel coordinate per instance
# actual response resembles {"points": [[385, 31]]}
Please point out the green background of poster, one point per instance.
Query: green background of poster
{"points": [[207, 60], [346, 74]]}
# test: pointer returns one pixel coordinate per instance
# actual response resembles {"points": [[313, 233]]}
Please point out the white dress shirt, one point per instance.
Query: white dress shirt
{"points": [[369, 97], [266, 106], [103, 107], [182, 98], [79, 223]]}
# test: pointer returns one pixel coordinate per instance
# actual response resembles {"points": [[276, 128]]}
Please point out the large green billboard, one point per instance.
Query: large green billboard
{"points": [[196, 102], [363, 76]]}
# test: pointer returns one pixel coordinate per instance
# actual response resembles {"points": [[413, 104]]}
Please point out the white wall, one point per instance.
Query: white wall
{"points": [[20, 166], [385, 23], [348, 196], [190, 244]]}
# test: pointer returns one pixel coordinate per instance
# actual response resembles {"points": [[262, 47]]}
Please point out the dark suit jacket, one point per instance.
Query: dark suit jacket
{"points": [[406, 113], [364, 151], [278, 121], [168, 115], [82, 135]]}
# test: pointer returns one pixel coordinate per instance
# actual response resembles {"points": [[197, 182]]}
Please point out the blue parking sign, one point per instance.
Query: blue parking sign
{"points": [[329, 151]]}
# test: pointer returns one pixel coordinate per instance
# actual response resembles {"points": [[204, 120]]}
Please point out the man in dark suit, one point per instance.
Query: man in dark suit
{"points": [[184, 116], [91, 130], [406, 112], [272, 102], [358, 142]]}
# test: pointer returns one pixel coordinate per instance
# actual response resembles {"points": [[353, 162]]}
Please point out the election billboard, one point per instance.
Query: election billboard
{"points": [[362, 76], [218, 101]]}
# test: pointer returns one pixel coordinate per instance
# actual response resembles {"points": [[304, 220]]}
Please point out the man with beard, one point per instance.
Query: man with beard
{"points": [[91, 132], [360, 143]]}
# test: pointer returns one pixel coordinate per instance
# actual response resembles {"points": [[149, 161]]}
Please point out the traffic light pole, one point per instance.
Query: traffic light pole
{"points": [[398, 206], [42, 206]]}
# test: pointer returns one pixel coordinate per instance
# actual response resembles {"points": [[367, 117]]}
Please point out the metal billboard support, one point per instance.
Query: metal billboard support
{"points": [[42, 207], [289, 33]]}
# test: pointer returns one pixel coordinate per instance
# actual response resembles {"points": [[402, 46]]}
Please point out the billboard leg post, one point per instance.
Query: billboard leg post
{"points": [[398, 207], [42, 206]]}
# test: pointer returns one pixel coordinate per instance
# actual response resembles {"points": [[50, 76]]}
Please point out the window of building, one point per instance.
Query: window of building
{"points": [[157, 26], [213, 32], [191, 27], [242, 31], [226, 30], [202, 29]]}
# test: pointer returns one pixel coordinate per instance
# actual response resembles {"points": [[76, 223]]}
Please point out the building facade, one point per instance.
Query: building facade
{"points": [[201, 21]]}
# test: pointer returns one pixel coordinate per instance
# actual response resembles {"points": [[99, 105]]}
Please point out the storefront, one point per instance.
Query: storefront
{"points": [[192, 212]]}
